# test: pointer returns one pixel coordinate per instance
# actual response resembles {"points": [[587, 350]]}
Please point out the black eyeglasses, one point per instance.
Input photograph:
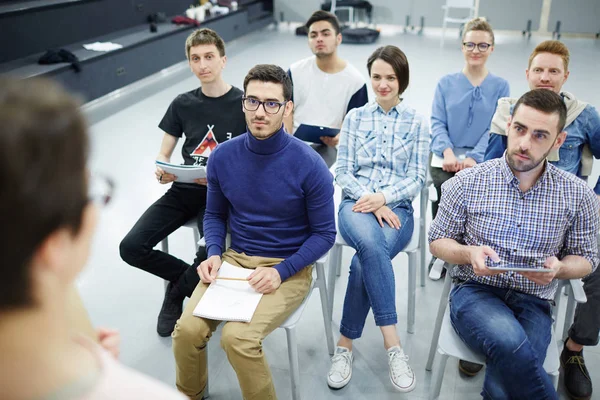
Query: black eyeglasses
{"points": [[270, 107], [483, 47], [100, 189]]}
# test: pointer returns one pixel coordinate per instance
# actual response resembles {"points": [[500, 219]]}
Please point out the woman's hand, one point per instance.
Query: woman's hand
{"points": [[450, 163], [369, 203], [386, 214]]}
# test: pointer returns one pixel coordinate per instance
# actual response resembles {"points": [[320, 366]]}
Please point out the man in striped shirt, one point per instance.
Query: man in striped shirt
{"points": [[517, 211]]}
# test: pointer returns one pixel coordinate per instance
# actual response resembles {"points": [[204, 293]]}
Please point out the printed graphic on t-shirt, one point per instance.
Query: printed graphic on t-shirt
{"points": [[206, 146]]}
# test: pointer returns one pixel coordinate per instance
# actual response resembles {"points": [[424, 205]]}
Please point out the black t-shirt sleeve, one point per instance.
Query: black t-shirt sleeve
{"points": [[171, 123]]}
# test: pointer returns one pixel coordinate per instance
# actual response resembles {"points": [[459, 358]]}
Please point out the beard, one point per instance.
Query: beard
{"points": [[522, 165], [271, 126]]}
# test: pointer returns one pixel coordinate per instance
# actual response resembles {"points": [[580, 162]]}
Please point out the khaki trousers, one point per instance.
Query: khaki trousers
{"points": [[242, 341]]}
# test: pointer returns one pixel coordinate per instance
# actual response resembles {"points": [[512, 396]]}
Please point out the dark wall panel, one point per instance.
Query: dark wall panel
{"points": [[35, 31]]}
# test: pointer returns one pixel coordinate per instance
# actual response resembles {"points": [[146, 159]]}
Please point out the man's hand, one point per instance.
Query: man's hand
{"points": [[208, 269], [386, 214], [467, 163], [265, 280], [201, 181], [163, 177], [331, 141], [110, 340], [477, 257], [544, 278], [450, 163], [369, 203]]}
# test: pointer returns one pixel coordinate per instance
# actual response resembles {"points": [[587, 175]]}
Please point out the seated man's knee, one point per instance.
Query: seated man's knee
{"points": [[131, 250], [237, 338], [191, 330]]}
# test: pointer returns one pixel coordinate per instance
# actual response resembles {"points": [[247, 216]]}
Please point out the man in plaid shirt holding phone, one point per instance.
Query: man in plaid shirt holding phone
{"points": [[517, 210]]}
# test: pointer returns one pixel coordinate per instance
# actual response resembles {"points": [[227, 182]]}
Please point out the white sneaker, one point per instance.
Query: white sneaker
{"points": [[341, 368], [401, 374]]}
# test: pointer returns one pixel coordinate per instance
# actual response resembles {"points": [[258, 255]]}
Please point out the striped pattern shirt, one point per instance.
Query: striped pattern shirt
{"points": [[383, 152], [484, 206]]}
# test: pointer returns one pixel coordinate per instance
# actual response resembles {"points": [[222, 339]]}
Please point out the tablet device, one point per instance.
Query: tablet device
{"points": [[520, 269], [313, 133]]}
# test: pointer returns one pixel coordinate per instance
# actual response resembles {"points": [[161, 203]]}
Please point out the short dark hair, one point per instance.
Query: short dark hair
{"points": [[43, 155], [324, 16], [397, 59], [546, 101], [270, 73], [204, 36]]}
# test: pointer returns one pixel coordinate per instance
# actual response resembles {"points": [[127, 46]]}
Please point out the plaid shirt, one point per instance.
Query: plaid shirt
{"points": [[383, 152], [483, 206]]}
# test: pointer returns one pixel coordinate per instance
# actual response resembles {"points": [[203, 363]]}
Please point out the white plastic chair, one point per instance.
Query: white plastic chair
{"points": [[416, 245], [471, 5], [447, 342]]}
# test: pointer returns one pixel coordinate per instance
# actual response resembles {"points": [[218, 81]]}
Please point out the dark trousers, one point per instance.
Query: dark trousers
{"points": [[586, 326], [438, 176], [180, 203]]}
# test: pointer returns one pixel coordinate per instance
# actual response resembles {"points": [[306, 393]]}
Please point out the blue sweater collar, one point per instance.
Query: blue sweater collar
{"points": [[268, 146]]}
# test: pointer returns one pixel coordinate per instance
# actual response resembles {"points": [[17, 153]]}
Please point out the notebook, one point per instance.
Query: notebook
{"points": [[184, 173], [312, 133], [229, 300]]}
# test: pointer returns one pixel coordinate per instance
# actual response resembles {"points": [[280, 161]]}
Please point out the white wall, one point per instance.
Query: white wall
{"points": [[578, 16]]}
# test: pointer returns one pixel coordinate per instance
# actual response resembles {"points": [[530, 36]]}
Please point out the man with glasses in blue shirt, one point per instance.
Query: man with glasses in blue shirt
{"points": [[277, 200]]}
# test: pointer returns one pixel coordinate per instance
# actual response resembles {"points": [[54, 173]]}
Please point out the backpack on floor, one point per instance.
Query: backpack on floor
{"points": [[360, 35]]}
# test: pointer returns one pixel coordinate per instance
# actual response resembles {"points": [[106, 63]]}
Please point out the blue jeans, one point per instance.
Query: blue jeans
{"points": [[513, 331], [371, 279]]}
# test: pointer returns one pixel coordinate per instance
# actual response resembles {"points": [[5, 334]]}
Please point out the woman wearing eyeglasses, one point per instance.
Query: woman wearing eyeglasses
{"points": [[463, 106], [381, 167]]}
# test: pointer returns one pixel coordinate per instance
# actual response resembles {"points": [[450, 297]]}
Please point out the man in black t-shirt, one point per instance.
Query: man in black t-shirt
{"points": [[206, 116]]}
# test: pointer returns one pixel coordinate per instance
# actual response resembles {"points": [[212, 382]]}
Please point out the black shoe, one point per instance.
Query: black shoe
{"points": [[575, 374], [469, 368], [170, 312]]}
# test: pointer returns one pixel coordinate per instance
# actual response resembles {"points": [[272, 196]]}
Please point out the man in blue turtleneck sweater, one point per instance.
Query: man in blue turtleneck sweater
{"points": [[276, 195]]}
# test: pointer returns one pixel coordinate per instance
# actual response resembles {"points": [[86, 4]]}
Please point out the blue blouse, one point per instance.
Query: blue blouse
{"points": [[462, 113]]}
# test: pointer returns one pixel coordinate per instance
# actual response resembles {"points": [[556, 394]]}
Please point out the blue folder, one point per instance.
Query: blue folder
{"points": [[312, 133]]}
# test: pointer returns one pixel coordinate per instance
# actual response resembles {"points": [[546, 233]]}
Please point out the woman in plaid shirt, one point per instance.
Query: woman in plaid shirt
{"points": [[381, 167]]}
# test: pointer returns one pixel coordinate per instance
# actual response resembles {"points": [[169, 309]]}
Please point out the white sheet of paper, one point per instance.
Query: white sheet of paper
{"points": [[229, 300], [437, 161]]}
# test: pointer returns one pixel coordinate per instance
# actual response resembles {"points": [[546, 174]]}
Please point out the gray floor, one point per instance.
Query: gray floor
{"points": [[125, 142]]}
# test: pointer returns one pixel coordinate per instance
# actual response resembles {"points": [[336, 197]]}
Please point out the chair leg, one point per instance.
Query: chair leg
{"points": [[438, 322], [438, 376], [335, 259], [412, 288], [338, 262], [444, 23], [196, 237], [554, 378], [164, 245], [324, 294], [423, 233], [294, 368], [569, 312]]}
